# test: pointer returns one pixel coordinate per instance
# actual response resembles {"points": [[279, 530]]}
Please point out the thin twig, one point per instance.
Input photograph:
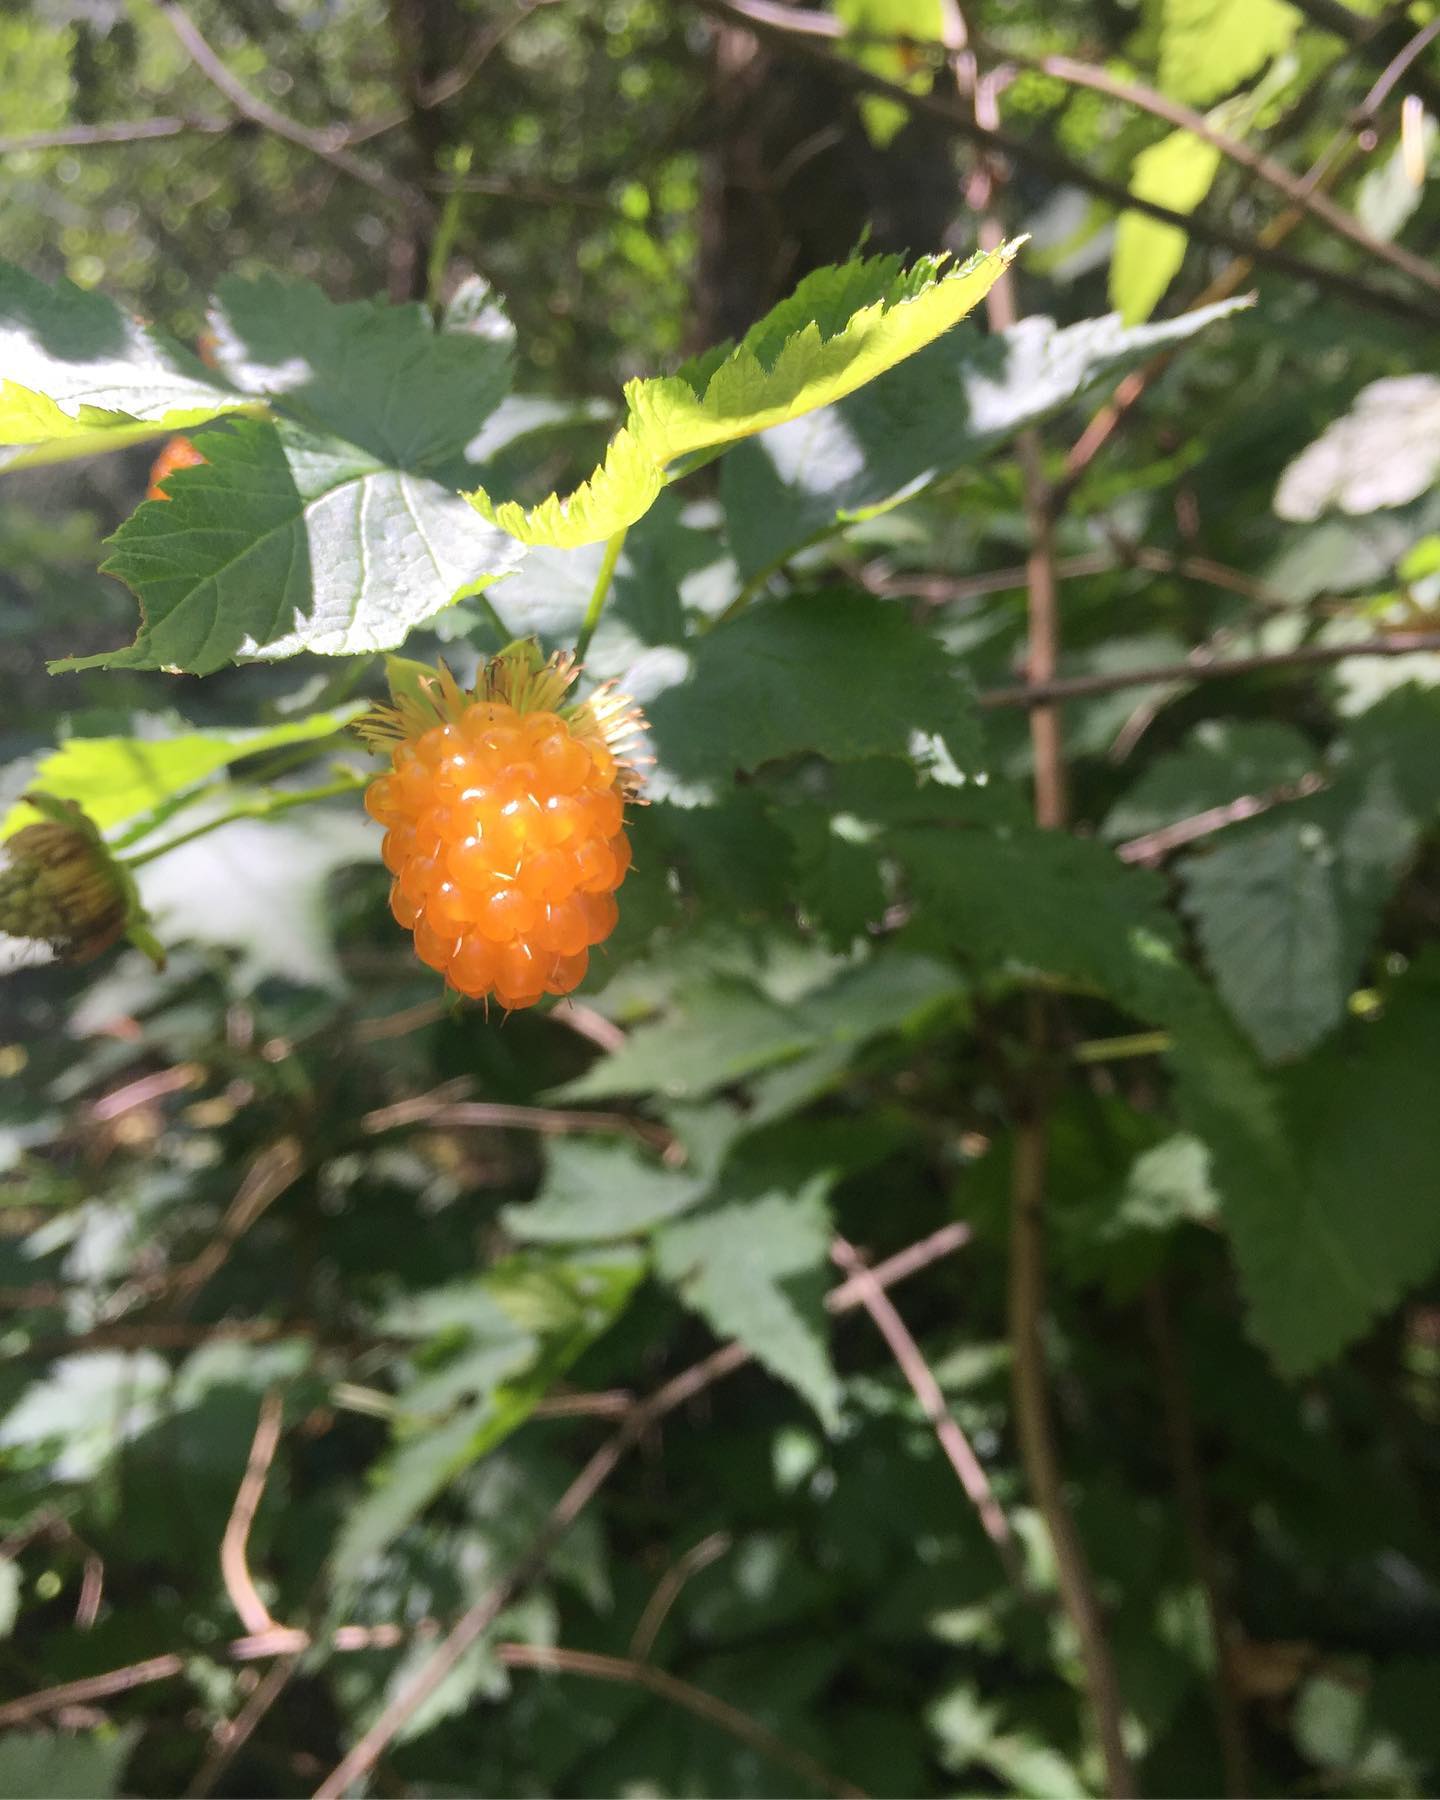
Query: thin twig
{"points": [[1399, 66], [275, 1169], [669, 1588], [777, 25], [1374, 39], [398, 1024], [229, 1737], [117, 131], [945, 590], [1153, 847], [1034, 1427], [1036, 1433], [234, 1566], [497, 1115], [1300, 193], [1083, 687], [957, 1447], [669, 1687], [92, 1589], [91, 1687], [146, 1088], [328, 145], [364, 1754]]}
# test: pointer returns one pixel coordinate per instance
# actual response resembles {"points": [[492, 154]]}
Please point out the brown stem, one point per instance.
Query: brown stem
{"points": [[118, 131], [912, 1365], [230, 1736], [1036, 1434], [253, 1613], [668, 1589], [1154, 846], [1027, 1253], [1190, 1491], [680, 1693]]}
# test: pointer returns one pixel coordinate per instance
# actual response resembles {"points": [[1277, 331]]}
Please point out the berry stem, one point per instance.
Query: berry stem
{"points": [[613, 547], [257, 806], [447, 230]]}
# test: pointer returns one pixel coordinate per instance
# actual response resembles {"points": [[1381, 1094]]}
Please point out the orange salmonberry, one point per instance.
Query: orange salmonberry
{"points": [[179, 453], [504, 821]]}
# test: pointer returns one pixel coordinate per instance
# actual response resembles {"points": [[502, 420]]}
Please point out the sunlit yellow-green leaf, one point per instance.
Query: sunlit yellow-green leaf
{"points": [[839, 329]]}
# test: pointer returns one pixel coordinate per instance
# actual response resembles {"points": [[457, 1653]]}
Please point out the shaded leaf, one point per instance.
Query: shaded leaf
{"points": [[380, 377], [756, 1270], [1286, 907], [596, 1191], [1364, 1226], [835, 674], [86, 1765], [936, 412], [281, 542]]}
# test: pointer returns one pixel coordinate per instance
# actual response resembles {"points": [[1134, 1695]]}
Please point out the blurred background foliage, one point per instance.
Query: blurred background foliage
{"points": [[284, 1166]]}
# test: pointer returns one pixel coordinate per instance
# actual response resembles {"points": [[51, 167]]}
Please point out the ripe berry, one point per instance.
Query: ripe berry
{"points": [[179, 453], [504, 822]]}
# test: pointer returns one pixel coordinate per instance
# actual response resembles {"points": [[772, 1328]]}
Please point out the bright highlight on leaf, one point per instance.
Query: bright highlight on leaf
{"points": [[77, 376], [840, 328]]}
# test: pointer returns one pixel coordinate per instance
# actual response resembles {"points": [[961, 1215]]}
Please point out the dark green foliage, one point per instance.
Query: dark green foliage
{"points": [[286, 1181]]}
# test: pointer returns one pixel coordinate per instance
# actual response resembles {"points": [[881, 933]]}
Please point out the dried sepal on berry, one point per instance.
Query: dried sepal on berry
{"points": [[60, 887], [504, 808]]}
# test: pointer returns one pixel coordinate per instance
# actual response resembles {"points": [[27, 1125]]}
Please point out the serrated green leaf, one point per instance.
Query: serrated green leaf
{"points": [[1177, 172], [78, 376], [717, 1032], [1285, 908], [837, 675], [117, 779], [937, 412], [597, 1191], [281, 542], [722, 1029], [1046, 903], [377, 376], [756, 1271], [1208, 47], [532, 1318], [842, 327], [1220, 761], [1364, 1225]]}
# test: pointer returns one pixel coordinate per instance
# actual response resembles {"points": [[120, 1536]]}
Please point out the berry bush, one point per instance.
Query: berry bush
{"points": [[722, 1004]]}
